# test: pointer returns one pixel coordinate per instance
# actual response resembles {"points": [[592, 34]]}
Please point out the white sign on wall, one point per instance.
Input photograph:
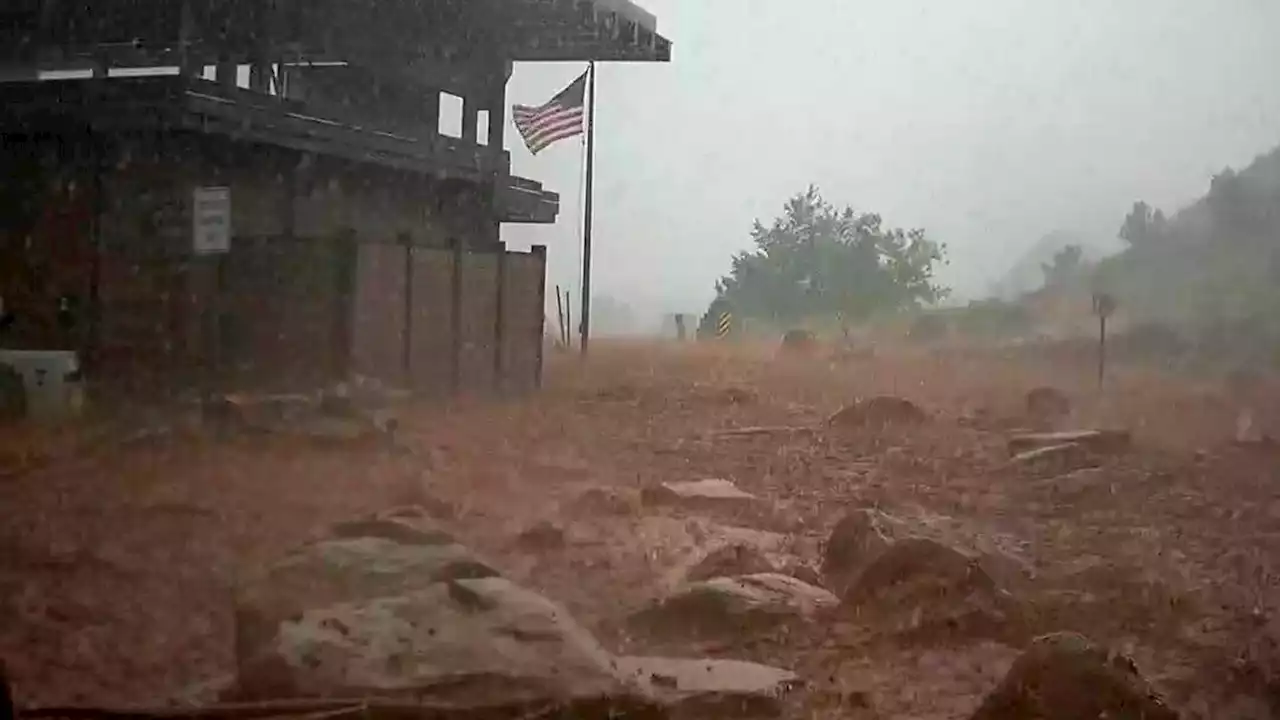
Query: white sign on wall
{"points": [[211, 220]]}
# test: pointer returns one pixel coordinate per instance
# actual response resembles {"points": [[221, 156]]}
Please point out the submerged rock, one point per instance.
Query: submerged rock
{"points": [[1063, 676], [732, 607], [393, 604]]}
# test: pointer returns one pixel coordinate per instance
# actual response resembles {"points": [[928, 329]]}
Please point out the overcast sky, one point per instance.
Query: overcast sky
{"points": [[988, 122]]}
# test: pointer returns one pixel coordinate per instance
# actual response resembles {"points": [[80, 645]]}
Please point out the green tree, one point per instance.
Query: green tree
{"points": [[708, 325], [1143, 226], [1242, 209], [1067, 265], [819, 261]]}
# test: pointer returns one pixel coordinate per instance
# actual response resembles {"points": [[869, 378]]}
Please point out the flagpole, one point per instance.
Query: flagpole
{"points": [[585, 315]]}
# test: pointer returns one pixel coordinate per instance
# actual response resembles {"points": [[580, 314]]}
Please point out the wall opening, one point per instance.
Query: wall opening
{"points": [[450, 115]]}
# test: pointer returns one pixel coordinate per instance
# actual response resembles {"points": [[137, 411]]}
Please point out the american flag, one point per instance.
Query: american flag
{"points": [[560, 118]]}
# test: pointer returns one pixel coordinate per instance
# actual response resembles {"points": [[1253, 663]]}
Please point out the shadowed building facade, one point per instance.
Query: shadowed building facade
{"points": [[362, 240]]}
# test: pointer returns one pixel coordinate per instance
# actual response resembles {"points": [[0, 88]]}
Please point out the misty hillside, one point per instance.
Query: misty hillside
{"points": [[1027, 274], [1213, 268]]}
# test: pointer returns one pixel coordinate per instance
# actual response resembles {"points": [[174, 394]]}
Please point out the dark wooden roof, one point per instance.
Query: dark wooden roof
{"points": [[367, 32], [605, 30], [181, 104]]}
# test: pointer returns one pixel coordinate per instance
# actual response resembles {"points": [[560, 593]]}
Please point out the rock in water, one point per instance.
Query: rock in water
{"points": [[922, 589], [601, 502], [392, 603], [13, 395], [1046, 405], [799, 342], [730, 560], [1065, 677], [705, 687], [698, 493], [855, 542], [462, 641], [716, 497], [542, 536], [732, 608], [878, 412]]}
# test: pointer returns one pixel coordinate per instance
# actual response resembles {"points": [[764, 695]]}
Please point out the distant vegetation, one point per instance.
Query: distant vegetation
{"points": [[820, 264], [1211, 272], [1203, 283], [1027, 274]]}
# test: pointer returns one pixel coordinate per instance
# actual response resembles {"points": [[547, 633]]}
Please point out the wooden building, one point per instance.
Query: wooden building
{"points": [[362, 239]]}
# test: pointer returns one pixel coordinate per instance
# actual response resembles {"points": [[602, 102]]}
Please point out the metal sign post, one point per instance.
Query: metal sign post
{"points": [[1103, 306], [211, 221], [210, 242]]}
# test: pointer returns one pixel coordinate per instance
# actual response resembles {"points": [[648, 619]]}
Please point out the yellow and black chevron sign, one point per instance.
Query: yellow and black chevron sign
{"points": [[724, 324]]}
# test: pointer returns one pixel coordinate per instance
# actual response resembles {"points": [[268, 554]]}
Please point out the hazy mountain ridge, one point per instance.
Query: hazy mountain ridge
{"points": [[1213, 269]]}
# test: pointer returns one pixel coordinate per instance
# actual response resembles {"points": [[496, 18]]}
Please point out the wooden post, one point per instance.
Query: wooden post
{"points": [[8, 709], [226, 72], [1103, 305], [587, 212], [260, 62], [432, 113], [92, 351], [289, 203], [540, 252], [406, 336], [347, 255], [455, 317], [188, 63], [498, 111], [219, 321], [470, 120], [560, 317], [1102, 349], [568, 321], [500, 321], [205, 277]]}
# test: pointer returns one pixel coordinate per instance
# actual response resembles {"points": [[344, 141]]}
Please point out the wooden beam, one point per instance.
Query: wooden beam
{"points": [[497, 105], [470, 118], [175, 104]]}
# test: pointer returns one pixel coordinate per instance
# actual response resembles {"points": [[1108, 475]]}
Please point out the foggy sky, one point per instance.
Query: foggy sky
{"points": [[988, 122]]}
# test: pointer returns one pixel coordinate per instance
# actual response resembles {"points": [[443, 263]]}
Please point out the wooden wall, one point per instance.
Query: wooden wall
{"points": [[474, 319], [335, 268]]}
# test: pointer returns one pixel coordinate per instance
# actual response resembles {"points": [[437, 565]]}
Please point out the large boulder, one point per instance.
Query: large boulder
{"points": [[1065, 677], [731, 560], [392, 603], [855, 542], [732, 607], [920, 589], [685, 549], [1046, 406], [878, 412], [597, 502], [340, 417], [388, 554], [799, 342], [458, 640]]}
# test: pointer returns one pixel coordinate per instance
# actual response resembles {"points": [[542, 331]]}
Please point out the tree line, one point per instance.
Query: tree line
{"points": [[817, 260]]}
